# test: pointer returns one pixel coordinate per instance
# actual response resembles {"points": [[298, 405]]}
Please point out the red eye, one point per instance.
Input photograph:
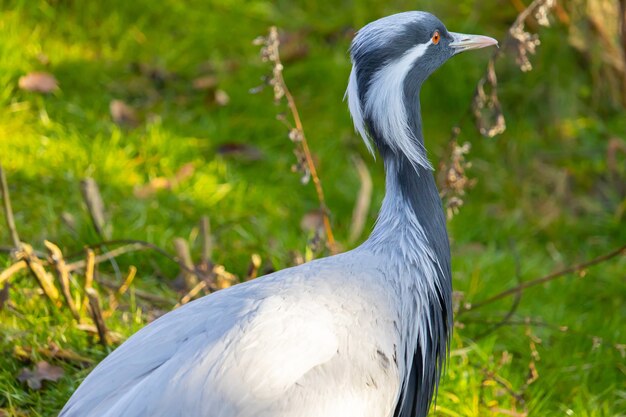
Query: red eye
{"points": [[436, 37]]}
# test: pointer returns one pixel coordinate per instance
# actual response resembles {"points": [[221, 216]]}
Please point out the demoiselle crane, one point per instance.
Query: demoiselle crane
{"points": [[360, 334]]}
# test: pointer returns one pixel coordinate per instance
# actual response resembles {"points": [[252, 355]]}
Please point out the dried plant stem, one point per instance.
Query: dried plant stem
{"points": [[153, 298], [90, 266], [96, 314], [8, 210], [184, 259], [207, 240], [311, 164], [520, 288], [192, 293], [43, 278], [132, 247], [253, 268], [12, 270], [281, 85], [95, 205], [132, 272], [63, 277]]}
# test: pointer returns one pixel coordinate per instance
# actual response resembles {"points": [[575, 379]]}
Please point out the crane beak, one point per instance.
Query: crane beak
{"points": [[463, 42]]}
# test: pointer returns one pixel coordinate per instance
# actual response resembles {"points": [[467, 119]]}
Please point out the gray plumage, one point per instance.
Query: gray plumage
{"points": [[360, 334]]}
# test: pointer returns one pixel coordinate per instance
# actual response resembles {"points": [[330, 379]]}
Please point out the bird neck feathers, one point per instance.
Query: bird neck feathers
{"points": [[411, 228]]}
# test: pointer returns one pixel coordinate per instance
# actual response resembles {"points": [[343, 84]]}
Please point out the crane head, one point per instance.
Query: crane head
{"points": [[391, 58]]}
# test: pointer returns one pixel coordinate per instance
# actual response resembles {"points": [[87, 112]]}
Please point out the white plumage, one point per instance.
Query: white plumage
{"points": [[304, 341], [361, 334]]}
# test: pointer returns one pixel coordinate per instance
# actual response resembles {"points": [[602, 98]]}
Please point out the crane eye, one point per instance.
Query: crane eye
{"points": [[436, 37]]}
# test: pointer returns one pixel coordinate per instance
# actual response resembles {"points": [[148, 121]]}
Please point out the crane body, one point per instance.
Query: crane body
{"points": [[360, 334]]}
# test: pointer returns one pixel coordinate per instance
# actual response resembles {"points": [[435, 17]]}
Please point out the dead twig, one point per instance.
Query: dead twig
{"points": [[207, 240], [132, 271], [96, 314], [132, 247], [90, 266], [12, 270], [63, 277], [253, 268], [145, 295], [8, 210], [95, 206], [192, 293], [39, 272], [550, 277], [184, 259], [306, 164]]}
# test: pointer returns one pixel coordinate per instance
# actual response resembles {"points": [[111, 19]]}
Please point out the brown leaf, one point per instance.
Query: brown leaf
{"points": [[206, 82], [38, 82], [242, 151], [42, 371], [122, 113]]}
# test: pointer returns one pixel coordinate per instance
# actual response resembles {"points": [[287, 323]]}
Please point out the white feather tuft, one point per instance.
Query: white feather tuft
{"points": [[384, 104], [354, 104]]}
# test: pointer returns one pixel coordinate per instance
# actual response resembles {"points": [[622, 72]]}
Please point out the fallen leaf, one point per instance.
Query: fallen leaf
{"points": [[122, 113], [241, 151], [206, 82], [42, 371], [221, 98], [38, 82]]}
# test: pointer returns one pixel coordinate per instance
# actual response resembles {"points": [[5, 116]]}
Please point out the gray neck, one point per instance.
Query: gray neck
{"points": [[411, 214], [411, 233]]}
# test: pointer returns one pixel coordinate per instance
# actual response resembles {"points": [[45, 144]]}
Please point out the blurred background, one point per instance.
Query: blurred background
{"points": [[159, 111]]}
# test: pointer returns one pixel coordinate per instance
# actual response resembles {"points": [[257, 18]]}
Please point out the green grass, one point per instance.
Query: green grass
{"points": [[545, 197]]}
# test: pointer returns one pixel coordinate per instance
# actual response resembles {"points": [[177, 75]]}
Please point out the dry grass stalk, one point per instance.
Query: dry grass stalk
{"points": [[223, 278], [207, 240], [363, 201], [576, 269], [107, 256], [306, 164], [253, 268], [39, 272], [186, 263], [132, 272], [95, 205], [12, 270], [192, 293], [145, 295], [63, 277], [8, 210], [96, 315], [90, 266]]}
